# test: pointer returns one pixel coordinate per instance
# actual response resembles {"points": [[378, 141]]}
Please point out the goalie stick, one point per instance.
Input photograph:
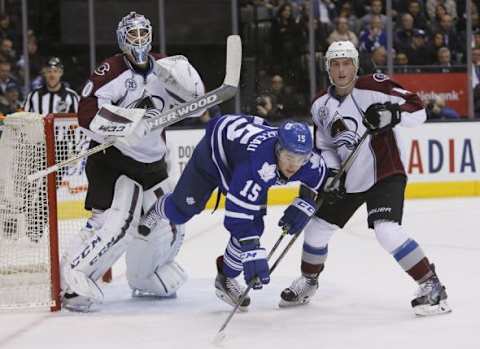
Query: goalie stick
{"points": [[220, 336], [221, 94]]}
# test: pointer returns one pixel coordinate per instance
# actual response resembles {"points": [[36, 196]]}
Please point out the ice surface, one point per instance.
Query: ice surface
{"points": [[363, 300]]}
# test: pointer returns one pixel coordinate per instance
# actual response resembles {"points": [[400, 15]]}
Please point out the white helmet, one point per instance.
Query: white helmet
{"points": [[134, 36], [340, 49]]}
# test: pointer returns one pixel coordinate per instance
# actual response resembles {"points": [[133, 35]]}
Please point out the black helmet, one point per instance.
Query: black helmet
{"points": [[54, 62]]}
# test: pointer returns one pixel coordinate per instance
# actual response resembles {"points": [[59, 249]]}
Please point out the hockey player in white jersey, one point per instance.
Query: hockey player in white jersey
{"points": [[126, 179], [351, 106]]}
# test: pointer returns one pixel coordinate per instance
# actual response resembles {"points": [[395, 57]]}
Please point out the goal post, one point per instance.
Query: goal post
{"points": [[38, 219]]}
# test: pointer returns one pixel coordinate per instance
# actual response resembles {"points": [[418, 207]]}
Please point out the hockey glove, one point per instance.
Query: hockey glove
{"points": [[296, 216], [137, 136], [381, 117], [333, 192], [255, 264]]}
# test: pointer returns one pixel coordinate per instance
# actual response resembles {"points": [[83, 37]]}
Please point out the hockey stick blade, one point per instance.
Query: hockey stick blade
{"points": [[221, 94]]}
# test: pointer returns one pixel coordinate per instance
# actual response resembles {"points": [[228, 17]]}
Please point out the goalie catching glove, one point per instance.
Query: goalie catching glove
{"points": [[255, 264], [380, 117]]}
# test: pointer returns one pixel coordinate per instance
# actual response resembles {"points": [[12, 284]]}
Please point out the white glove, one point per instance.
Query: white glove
{"points": [[138, 134]]}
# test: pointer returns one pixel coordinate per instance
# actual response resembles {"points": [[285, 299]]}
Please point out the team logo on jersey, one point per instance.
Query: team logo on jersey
{"points": [[267, 172], [87, 89], [130, 84], [190, 200], [321, 116], [102, 69], [379, 77], [344, 131]]}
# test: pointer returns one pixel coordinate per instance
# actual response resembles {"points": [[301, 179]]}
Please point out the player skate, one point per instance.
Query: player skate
{"points": [[300, 291], [229, 290], [431, 298], [150, 219]]}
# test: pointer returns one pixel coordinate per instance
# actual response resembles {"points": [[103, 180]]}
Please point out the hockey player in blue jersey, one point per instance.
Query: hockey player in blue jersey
{"points": [[243, 157]]}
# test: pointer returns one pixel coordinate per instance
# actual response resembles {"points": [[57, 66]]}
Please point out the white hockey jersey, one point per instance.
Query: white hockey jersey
{"points": [[116, 82], [338, 128]]}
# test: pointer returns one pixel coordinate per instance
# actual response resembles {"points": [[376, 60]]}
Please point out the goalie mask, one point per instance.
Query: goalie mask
{"points": [[134, 36]]}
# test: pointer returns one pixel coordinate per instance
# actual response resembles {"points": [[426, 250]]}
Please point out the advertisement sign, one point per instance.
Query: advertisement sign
{"points": [[452, 87]]}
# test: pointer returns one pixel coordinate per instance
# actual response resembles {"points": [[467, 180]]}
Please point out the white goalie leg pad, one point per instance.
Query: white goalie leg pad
{"points": [[164, 282], [148, 254], [86, 263]]}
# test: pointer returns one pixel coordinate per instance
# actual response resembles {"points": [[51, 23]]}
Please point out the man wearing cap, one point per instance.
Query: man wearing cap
{"points": [[417, 52], [10, 101], [54, 96]]}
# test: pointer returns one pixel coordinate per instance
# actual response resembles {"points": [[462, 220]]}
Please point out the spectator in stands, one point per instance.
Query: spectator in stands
{"points": [[7, 51], [278, 102], [437, 110], [476, 100], [6, 76], [5, 30], [342, 32], [55, 96], [287, 43], [379, 58], [417, 52], [401, 59], [414, 8], [324, 11], [10, 101], [476, 38], [444, 59], [451, 38], [374, 36], [36, 60], [404, 35], [374, 62], [434, 45], [475, 66], [376, 9], [449, 6], [346, 11]]}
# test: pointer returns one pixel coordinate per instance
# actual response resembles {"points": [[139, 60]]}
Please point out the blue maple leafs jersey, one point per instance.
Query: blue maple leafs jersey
{"points": [[243, 152]]}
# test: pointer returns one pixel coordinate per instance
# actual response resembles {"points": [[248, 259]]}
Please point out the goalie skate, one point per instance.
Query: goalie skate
{"points": [[77, 303], [230, 291], [300, 292], [431, 299]]}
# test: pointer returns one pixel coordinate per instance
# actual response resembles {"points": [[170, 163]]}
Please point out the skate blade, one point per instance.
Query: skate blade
{"points": [[146, 294], [222, 296], [430, 310], [287, 304]]}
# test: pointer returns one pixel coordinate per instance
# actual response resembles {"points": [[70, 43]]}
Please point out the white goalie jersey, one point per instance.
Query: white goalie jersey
{"points": [[339, 127], [117, 82]]}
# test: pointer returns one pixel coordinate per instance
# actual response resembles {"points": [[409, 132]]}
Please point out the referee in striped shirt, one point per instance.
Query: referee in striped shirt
{"points": [[54, 96]]}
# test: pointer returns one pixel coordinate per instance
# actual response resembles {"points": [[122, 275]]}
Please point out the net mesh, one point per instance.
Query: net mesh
{"points": [[25, 229]]}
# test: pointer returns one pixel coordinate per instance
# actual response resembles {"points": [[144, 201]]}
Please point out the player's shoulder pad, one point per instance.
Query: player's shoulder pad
{"points": [[319, 110], [376, 82], [105, 72], [157, 55]]}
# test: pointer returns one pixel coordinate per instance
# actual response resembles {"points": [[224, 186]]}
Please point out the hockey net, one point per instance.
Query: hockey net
{"points": [[38, 219]]}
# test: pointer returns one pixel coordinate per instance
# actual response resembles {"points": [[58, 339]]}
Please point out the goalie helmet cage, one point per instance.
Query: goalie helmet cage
{"points": [[38, 219]]}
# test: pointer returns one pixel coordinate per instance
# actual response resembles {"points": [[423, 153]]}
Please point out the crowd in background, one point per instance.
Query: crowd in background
{"points": [[427, 33]]}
